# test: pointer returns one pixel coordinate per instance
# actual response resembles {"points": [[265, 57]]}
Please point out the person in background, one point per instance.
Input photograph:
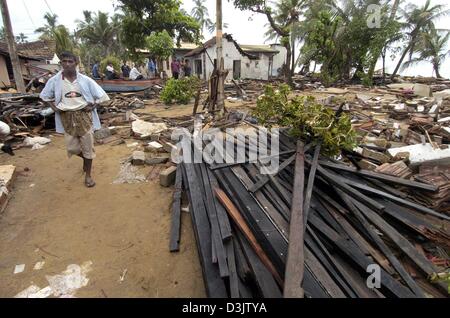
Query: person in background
{"points": [[95, 70], [187, 68], [74, 98], [135, 75], [143, 69], [125, 70], [151, 68], [110, 72], [181, 76], [175, 66]]}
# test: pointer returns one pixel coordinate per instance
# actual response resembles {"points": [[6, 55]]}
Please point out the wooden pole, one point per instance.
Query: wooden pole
{"points": [[295, 264], [220, 61], [17, 71]]}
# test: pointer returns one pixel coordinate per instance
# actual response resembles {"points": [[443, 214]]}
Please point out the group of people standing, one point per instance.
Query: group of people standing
{"points": [[137, 72], [180, 69], [141, 71]]}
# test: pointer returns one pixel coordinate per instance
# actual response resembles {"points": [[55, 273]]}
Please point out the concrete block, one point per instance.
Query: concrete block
{"points": [[167, 176], [158, 159], [138, 158], [421, 154], [154, 147], [102, 133]]}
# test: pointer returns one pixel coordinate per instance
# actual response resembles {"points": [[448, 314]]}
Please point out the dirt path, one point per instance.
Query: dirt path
{"points": [[120, 228]]}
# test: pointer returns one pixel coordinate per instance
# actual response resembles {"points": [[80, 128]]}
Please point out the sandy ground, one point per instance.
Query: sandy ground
{"points": [[120, 228]]}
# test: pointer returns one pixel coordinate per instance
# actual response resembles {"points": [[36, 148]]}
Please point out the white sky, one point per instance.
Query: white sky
{"points": [[247, 28]]}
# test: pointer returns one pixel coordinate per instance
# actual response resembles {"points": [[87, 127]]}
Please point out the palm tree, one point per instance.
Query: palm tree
{"points": [[21, 38], [62, 38], [97, 30], [431, 47], [48, 29], [200, 13], [418, 19]]}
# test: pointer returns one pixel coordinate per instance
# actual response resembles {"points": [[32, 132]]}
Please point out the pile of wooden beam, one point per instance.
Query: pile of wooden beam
{"points": [[315, 229]]}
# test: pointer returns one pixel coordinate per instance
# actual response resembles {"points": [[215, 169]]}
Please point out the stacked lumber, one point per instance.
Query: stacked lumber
{"points": [[314, 229]]}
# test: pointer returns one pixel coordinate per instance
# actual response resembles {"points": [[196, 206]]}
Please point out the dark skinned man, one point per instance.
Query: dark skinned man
{"points": [[74, 97]]}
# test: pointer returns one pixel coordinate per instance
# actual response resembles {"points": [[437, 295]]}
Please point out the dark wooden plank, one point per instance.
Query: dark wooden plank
{"points": [[224, 222], [242, 225], [295, 265], [420, 260], [265, 178], [176, 213], [336, 181], [394, 198], [350, 250], [244, 290], [264, 280], [309, 188], [380, 176], [268, 208], [215, 287], [234, 279], [360, 241], [266, 233], [243, 269], [213, 220], [383, 247]]}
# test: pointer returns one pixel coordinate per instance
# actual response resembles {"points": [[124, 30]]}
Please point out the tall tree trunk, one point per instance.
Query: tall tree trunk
{"points": [[402, 58], [288, 72], [436, 69], [383, 55], [394, 9], [293, 55], [378, 51]]}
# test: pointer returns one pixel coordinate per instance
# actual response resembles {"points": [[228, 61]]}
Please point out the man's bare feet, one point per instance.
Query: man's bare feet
{"points": [[89, 182]]}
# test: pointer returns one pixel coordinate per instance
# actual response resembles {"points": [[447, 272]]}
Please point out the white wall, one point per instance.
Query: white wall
{"points": [[279, 59], [252, 69]]}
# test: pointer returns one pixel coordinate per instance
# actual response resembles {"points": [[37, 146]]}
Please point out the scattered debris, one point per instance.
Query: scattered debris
{"points": [[39, 265], [19, 268]]}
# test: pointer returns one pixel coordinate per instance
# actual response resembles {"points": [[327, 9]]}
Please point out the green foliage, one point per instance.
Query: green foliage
{"points": [[63, 39], [98, 36], [110, 59], [180, 91], [339, 37], [441, 277], [143, 17], [307, 119], [160, 44]]}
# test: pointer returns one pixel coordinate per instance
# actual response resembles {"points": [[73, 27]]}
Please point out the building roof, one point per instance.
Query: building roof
{"points": [[43, 49], [258, 49], [212, 42], [5, 52], [33, 50]]}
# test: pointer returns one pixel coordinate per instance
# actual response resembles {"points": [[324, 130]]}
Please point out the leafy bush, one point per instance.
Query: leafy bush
{"points": [[110, 59], [307, 119], [180, 91]]}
